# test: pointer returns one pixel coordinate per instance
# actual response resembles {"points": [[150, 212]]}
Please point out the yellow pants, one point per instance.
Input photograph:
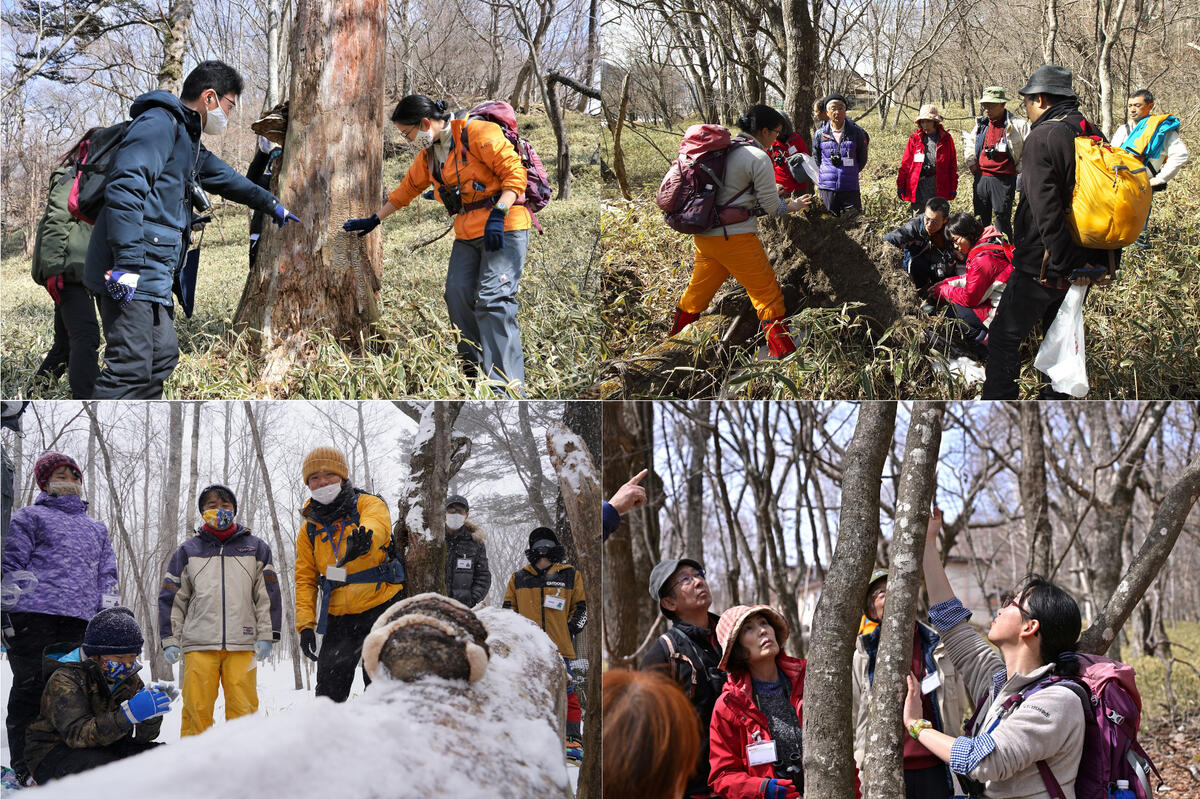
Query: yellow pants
{"points": [[202, 672], [742, 256]]}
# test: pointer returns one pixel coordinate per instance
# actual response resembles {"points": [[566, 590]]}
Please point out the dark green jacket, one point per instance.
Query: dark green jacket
{"points": [[79, 709], [62, 240]]}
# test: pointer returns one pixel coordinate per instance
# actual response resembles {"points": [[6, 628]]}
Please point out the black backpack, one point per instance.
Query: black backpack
{"points": [[96, 157]]}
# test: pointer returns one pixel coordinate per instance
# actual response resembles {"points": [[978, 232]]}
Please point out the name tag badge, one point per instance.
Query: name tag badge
{"points": [[761, 753], [931, 683], [1002, 146], [464, 563], [337, 575], [556, 602], [919, 157], [848, 160]]}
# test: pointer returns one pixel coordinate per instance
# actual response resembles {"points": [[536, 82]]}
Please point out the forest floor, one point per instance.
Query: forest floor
{"points": [[411, 351], [1141, 332], [1170, 729]]}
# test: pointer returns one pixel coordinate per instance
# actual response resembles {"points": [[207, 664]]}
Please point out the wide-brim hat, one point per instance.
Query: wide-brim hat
{"points": [[729, 627], [1049, 79], [930, 112], [663, 570], [993, 94]]}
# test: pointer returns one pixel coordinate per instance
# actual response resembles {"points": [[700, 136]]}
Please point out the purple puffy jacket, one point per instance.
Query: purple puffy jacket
{"points": [[68, 552], [853, 148]]}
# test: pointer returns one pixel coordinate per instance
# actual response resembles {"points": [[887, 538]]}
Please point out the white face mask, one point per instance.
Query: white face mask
{"points": [[216, 120], [423, 139], [454, 521], [60, 488], [326, 494]]}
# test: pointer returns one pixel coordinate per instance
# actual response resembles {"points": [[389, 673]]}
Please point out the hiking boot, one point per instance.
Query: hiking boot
{"points": [[682, 319], [779, 338], [574, 749]]}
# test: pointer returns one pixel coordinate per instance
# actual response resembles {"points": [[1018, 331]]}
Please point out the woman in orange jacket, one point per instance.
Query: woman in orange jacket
{"points": [[479, 184]]}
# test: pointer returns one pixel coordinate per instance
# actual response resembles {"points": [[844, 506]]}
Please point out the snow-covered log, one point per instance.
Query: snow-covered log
{"points": [[498, 737]]}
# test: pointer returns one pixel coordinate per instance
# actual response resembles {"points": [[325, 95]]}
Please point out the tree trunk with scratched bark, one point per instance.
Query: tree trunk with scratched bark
{"points": [[313, 276]]}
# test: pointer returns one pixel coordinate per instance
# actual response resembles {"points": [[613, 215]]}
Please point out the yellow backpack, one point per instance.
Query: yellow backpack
{"points": [[1111, 202]]}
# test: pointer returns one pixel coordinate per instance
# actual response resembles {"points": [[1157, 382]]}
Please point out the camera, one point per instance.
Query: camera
{"points": [[200, 201], [991, 152], [836, 159], [794, 771], [451, 198]]}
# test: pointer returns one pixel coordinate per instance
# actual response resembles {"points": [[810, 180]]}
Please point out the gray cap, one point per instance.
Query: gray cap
{"points": [[663, 570], [1049, 79], [458, 499]]}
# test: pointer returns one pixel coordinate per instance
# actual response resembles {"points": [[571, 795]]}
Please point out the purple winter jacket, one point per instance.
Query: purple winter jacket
{"points": [[853, 147], [68, 552]]}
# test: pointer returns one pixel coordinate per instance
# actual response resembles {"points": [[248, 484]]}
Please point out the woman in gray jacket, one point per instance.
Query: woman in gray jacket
{"points": [[1036, 630]]}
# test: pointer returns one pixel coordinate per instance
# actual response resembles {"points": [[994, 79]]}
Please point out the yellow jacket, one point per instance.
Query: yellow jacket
{"points": [[552, 599], [491, 161], [314, 558]]}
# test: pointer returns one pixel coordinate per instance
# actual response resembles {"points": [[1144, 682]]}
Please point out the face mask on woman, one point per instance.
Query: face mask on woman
{"points": [[423, 139], [326, 494], [59, 488]]}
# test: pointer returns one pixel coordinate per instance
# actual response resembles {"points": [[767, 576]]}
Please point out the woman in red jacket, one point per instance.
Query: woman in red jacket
{"points": [[975, 295], [929, 167], [755, 738], [788, 144]]}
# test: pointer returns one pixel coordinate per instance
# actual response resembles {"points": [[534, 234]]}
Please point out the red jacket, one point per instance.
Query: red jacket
{"points": [[988, 266], [737, 722], [946, 166], [780, 152]]}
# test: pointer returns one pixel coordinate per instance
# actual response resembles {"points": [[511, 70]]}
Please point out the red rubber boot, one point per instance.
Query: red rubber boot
{"points": [[682, 320], [779, 338]]}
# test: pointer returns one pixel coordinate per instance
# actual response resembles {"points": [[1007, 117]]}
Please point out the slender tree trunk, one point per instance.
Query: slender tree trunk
{"points": [[194, 458], [1034, 503], [593, 53], [312, 275], [495, 45], [274, 14], [828, 726], [174, 41], [1051, 38], [883, 766], [694, 535]]}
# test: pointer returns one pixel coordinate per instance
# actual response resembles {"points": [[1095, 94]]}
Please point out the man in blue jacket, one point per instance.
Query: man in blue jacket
{"points": [[143, 230]]}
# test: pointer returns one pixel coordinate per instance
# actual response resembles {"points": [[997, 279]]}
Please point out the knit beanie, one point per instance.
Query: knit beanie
{"points": [[325, 459], [542, 534], [222, 491], [112, 631], [46, 465]]}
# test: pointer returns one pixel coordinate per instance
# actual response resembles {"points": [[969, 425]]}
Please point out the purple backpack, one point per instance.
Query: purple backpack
{"points": [[688, 192], [537, 186], [1113, 714]]}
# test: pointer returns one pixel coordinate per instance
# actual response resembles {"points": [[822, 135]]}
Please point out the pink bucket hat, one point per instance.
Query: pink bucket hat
{"points": [[931, 112], [729, 627]]}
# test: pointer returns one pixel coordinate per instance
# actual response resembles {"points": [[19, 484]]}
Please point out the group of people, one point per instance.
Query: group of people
{"points": [[717, 707], [128, 265], [997, 278], [77, 701]]}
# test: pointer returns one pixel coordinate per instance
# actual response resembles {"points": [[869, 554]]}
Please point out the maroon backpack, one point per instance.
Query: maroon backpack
{"points": [[537, 185], [688, 193]]}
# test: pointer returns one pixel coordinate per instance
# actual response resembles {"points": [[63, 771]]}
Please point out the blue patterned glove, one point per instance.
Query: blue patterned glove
{"points": [[146, 704], [262, 649], [364, 225], [493, 231], [121, 285], [282, 216]]}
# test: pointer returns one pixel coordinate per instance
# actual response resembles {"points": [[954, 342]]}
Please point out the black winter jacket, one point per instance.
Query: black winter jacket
{"points": [[468, 577], [1048, 177]]}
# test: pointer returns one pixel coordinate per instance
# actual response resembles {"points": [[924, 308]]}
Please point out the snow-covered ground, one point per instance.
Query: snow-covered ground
{"points": [[498, 737]]}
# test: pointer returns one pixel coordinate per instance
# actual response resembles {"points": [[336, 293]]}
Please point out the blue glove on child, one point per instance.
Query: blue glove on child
{"points": [[282, 216], [146, 704], [493, 231]]}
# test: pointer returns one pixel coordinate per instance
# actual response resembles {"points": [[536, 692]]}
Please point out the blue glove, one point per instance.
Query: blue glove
{"points": [[262, 649], [778, 789], [146, 704], [282, 217], [365, 225], [493, 231], [121, 285], [172, 654]]}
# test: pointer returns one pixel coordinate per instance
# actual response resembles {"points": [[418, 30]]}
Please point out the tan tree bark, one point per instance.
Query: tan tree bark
{"points": [[313, 275], [174, 39], [1032, 479], [883, 767], [828, 727]]}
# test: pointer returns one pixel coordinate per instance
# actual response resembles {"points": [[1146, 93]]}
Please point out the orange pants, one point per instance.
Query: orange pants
{"points": [[204, 670], [741, 255]]}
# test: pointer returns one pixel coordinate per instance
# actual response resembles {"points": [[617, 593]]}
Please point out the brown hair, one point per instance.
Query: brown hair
{"points": [[651, 736], [71, 157]]}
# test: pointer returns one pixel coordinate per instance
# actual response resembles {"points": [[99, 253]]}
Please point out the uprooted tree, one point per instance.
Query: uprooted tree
{"points": [[313, 275]]}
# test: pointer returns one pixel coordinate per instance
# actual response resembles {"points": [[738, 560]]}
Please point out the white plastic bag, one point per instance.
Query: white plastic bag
{"points": [[1061, 356]]}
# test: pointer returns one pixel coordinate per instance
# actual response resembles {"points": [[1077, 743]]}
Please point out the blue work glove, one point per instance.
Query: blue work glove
{"points": [[282, 216], [172, 654], [121, 285], [146, 704], [308, 643], [779, 789], [365, 225], [493, 231], [262, 649]]}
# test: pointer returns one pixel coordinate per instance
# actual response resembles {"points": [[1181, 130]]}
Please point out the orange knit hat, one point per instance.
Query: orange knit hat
{"points": [[326, 459]]}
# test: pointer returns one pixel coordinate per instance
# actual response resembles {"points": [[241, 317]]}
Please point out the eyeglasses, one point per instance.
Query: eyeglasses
{"points": [[878, 592], [1010, 598], [687, 579]]}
